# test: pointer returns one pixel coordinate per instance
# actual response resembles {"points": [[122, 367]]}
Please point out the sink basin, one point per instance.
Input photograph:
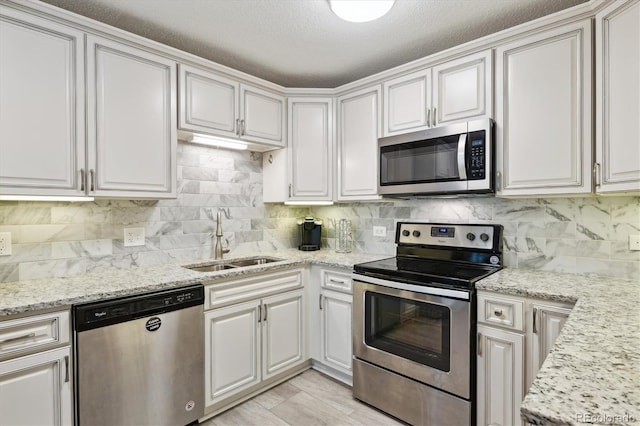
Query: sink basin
{"points": [[253, 261], [221, 265], [211, 268]]}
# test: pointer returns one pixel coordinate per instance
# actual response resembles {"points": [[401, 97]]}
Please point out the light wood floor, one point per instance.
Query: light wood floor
{"points": [[308, 399]]}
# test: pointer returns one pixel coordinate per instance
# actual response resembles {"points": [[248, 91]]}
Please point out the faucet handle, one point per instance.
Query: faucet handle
{"points": [[226, 249]]}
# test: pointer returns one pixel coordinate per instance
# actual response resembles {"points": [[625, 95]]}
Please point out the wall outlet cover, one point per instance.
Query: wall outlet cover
{"points": [[379, 231], [634, 242], [133, 237], [5, 243]]}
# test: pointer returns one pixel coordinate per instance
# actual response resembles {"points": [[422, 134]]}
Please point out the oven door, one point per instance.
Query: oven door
{"points": [[422, 336]]}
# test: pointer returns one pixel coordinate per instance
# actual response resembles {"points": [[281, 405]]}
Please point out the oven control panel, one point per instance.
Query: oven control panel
{"points": [[447, 235]]}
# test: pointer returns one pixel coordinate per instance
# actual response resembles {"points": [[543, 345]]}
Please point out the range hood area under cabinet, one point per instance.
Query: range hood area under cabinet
{"points": [[216, 105], [130, 113]]}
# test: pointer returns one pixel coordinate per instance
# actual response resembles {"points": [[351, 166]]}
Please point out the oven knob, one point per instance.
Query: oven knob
{"points": [[484, 237], [416, 234], [405, 233], [471, 236]]}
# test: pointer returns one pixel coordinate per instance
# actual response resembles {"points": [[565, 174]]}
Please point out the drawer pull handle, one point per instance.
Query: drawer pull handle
{"points": [[333, 280], [497, 312], [535, 317], [479, 344], [14, 339]]}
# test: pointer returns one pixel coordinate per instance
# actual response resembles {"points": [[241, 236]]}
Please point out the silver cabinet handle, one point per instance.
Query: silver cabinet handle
{"points": [[428, 117], [259, 313], [434, 116], [597, 181], [92, 173], [237, 132], [242, 127], [14, 339], [333, 280], [498, 181], [497, 312], [66, 368], [289, 190], [535, 316], [320, 302], [82, 180], [479, 344], [265, 313]]}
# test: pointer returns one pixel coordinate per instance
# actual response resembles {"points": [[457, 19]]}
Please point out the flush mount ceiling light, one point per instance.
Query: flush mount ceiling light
{"points": [[218, 142], [360, 10]]}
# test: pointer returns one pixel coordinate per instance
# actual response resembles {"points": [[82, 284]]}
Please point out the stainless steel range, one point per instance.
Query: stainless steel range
{"points": [[414, 322]]}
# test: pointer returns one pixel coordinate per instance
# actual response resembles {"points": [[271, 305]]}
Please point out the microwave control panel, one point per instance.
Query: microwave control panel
{"points": [[477, 156]]}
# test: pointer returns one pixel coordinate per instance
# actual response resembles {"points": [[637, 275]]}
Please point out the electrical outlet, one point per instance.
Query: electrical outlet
{"points": [[379, 231], [634, 242], [5, 243], [133, 237]]}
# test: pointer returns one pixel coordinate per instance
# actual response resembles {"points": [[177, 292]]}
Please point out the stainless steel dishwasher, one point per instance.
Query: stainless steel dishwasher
{"points": [[139, 360]]}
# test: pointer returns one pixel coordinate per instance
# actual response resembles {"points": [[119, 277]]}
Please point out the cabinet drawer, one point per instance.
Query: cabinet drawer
{"points": [[336, 281], [33, 333], [502, 311], [226, 293]]}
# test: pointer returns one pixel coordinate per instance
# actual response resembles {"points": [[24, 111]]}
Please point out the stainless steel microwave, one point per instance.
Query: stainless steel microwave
{"points": [[456, 159]]}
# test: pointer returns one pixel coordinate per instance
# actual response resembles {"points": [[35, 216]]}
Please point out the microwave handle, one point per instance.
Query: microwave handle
{"points": [[462, 163]]}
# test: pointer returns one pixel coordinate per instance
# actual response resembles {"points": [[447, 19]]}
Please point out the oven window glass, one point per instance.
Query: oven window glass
{"points": [[410, 329], [432, 160]]}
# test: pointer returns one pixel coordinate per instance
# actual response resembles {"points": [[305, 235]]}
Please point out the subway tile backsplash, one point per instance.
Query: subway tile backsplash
{"points": [[65, 239]]}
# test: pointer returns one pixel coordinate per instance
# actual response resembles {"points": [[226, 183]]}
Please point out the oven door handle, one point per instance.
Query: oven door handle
{"points": [[423, 289], [462, 160]]}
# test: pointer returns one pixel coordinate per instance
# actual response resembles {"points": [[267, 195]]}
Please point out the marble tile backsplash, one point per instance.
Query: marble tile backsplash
{"points": [[58, 239]]}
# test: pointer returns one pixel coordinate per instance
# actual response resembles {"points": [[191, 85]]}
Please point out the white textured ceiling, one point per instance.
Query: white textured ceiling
{"points": [[301, 43]]}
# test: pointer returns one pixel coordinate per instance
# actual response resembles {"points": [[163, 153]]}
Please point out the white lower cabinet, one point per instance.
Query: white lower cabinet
{"points": [[515, 335], [330, 310], [500, 376], [35, 370], [255, 333]]}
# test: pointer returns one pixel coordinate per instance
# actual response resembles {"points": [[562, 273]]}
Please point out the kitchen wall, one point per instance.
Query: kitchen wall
{"points": [[67, 239]]}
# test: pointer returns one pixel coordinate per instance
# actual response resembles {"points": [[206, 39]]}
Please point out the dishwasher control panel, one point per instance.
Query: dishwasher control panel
{"points": [[113, 311]]}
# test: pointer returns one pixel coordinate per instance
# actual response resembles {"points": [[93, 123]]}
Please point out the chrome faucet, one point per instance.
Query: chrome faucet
{"points": [[219, 250]]}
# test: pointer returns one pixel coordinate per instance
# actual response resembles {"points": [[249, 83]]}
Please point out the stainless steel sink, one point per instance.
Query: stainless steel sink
{"points": [[253, 261], [221, 265]]}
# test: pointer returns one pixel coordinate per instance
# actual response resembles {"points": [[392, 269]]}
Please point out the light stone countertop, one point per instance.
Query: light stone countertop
{"points": [[592, 374], [21, 297], [593, 370]]}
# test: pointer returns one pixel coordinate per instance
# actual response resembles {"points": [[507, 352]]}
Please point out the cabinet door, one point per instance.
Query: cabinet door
{"points": [[283, 326], [232, 350], [310, 148], [131, 121], [500, 376], [407, 103], [208, 102], [543, 113], [36, 389], [336, 345], [462, 88], [262, 115], [359, 120], [618, 97], [42, 107], [547, 322]]}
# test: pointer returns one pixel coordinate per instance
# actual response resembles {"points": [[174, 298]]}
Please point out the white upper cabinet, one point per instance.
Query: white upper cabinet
{"points": [[543, 113], [42, 107], [462, 88], [359, 122], [407, 103], [618, 98], [452, 91], [213, 104], [310, 148], [131, 121]]}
